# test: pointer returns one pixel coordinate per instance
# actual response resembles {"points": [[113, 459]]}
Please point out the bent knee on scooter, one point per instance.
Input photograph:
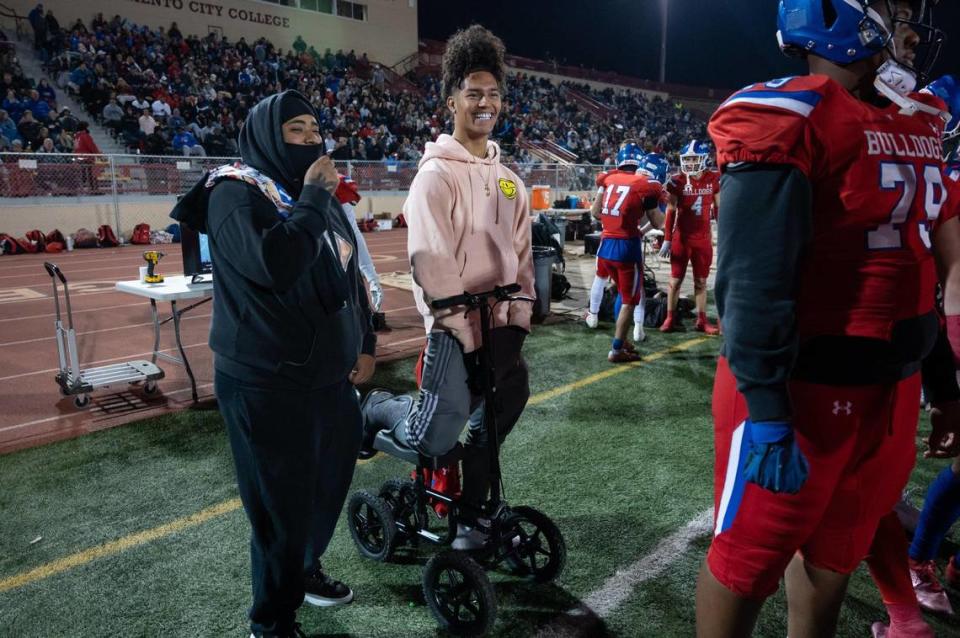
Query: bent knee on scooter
{"points": [[438, 434]]}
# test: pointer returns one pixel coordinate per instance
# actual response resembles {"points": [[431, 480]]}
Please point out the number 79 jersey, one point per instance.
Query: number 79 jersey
{"points": [[877, 187]]}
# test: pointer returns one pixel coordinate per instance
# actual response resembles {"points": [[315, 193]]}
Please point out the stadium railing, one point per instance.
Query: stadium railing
{"points": [[36, 179]]}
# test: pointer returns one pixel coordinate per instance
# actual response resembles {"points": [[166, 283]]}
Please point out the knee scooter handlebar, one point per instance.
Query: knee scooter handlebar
{"points": [[473, 300]]}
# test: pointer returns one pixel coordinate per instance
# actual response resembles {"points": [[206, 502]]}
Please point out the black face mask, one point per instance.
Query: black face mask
{"points": [[299, 158]]}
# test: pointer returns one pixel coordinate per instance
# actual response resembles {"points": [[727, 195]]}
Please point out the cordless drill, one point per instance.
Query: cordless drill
{"points": [[152, 257]]}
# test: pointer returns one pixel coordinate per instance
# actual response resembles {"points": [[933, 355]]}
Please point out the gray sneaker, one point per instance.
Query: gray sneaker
{"points": [[469, 538]]}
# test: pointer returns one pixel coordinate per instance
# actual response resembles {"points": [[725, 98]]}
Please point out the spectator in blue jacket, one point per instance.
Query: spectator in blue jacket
{"points": [[8, 129], [46, 92], [185, 141], [38, 106], [13, 105], [81, 77]]}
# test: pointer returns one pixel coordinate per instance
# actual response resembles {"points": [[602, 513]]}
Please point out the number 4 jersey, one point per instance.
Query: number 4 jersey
{"points": [[877, 187], [695, 206]]}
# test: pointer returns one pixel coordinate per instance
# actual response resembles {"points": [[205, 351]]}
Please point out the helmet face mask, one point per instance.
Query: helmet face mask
{"points": [[929, 38], [693, 158]]}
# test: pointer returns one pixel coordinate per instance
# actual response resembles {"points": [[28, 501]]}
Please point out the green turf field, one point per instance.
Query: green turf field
{"points": [[140, 532]]}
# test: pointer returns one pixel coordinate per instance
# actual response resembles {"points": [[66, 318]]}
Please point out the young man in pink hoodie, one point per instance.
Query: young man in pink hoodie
{"points": [[469, 231]]}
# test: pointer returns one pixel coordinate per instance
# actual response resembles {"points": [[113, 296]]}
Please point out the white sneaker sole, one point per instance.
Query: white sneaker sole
{"points": [[320, 601]]}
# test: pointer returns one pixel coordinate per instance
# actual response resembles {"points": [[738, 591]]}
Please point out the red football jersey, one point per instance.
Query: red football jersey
{"points": [[602, 177], [623, 194], [876, 178], [695, 206]]}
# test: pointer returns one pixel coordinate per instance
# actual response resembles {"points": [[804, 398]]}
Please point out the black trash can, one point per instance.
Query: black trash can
{"points": [[543, 259]]}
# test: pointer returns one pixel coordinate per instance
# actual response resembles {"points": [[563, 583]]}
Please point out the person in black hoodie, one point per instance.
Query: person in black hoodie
{"points": [[291, 334]]}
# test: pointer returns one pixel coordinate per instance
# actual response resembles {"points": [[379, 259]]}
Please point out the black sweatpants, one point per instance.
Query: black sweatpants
{"points": [[513, 390], [294, 451]]}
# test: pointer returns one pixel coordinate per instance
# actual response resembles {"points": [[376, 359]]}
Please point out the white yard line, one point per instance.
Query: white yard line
{"points": [[602, 603]]}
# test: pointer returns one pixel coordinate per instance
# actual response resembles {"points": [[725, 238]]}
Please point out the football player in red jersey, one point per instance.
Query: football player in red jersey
{"points": [[693, 199], [905, 584], [825, 288], [626, 196]]}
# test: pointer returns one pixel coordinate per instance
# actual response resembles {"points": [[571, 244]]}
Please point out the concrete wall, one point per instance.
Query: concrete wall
{"points": [[17, 216], [388, 35]]}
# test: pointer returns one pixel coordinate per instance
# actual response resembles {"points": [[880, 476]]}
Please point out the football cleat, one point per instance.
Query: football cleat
{"points": [[927, 587], [592, 319], [622, 356], [670, 324], [903, 630], [706, 327]]}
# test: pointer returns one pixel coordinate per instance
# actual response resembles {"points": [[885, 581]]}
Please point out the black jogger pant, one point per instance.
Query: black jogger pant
{"points": [[294, 452]]}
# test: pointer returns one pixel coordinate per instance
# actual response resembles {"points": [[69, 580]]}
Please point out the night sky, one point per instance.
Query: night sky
{"points": [[717, 43]]}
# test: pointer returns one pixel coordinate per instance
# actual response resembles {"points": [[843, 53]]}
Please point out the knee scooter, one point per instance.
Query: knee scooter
{"points": [[455, 584]]}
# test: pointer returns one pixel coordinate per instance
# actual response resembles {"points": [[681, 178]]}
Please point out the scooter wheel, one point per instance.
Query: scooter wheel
{"points": [[533, 545], [400, 495], [459, 594], [371, 526]]}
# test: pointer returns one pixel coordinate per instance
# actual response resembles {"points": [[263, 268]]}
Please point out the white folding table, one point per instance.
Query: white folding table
{"points": [[173, 289]]}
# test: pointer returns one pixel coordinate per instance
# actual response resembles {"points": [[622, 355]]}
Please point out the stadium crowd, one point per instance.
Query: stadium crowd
{"points": [[162, 93]]}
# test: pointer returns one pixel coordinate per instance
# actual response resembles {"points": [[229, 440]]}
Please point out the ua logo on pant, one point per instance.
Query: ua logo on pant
{"points": [[846, 408]]}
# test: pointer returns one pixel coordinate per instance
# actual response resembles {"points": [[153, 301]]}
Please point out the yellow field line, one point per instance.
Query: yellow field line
{"points": [[614, 371], [132, 540], [117, 546]]}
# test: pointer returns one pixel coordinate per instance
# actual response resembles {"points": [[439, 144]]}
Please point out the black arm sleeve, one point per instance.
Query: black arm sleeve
{"points": [[939, 373], [767, 223], [270, 252]]}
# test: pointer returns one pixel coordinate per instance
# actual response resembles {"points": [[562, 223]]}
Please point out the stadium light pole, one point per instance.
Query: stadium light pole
{"points": [[664, 7]]}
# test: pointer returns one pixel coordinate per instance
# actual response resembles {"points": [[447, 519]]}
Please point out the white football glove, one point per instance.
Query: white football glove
{"points": [[665, 250]]}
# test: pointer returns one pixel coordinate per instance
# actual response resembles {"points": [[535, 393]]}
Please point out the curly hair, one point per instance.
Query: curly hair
{"points": [[470, 50]]}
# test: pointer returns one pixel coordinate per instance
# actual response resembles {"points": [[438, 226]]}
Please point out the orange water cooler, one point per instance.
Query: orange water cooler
{"points": [[540, 199]]}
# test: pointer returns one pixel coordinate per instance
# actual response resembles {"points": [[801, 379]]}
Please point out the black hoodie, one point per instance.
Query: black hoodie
{"points": [[286, 311]]}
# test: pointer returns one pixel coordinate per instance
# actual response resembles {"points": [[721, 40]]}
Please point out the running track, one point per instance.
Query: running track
{"points": [[113, 326]]}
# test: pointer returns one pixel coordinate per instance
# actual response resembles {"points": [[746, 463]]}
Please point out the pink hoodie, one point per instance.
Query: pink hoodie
{"points": [[465, 237]]}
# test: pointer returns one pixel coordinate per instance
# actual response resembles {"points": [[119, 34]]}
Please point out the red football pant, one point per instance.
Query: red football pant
{"points": [[700, 253], [628, 276], [859, 441]]}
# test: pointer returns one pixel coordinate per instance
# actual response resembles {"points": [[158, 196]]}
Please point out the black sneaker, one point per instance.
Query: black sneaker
{"points": [[293, 632], [323, 591]]}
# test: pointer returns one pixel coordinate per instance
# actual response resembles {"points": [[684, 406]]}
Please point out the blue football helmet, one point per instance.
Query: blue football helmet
{"points": [[629, 155], [844, 31], [948, 89], [693, 157], [655, 166]]}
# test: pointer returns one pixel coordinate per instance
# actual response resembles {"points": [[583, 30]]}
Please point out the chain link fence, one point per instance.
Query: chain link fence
{"points": [[128, 183]]}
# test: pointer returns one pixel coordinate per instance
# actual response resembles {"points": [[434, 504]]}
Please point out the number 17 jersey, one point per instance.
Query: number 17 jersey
{"points": [[877, 187]]}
